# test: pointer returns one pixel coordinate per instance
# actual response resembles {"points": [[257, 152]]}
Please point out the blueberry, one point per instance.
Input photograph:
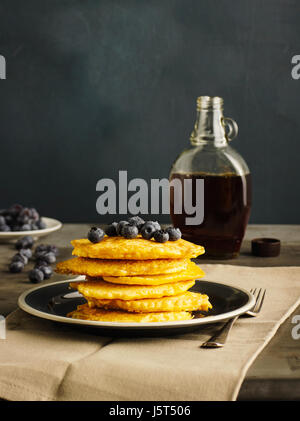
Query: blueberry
{"points": [[174, 233], [161, 236], [95, 235], [19, 257], [4, 228], [24, 242], [45, 248], [14, 210], [26, 252], [40, 263], [9, 219], [16, 266], [40, 255], [130, 231], [148, 230], [53, 249], [29, 240], [47, 257], [111, 230], [50, 257], [34, 215], [158, 227], [137, 221], [24, 216], [26, 227], [47, 270], [41, 224], [120, 226], [41, 248], [36, 276]]}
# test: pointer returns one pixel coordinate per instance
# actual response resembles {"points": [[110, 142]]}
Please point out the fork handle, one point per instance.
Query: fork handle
{"points": [[218, 340]]}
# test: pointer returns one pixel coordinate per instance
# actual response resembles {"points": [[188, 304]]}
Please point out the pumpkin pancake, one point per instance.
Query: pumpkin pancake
{"points": [[188, 301], [98, 267], [135, 249], [99, 315], [106, 290], [191, 272]]}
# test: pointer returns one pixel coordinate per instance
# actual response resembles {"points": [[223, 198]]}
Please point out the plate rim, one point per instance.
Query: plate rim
{"points": [[13, 234], [135, 325]]}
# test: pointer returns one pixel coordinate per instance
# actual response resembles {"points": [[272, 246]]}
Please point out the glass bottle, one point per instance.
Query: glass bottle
{"points": [[227, 183]]}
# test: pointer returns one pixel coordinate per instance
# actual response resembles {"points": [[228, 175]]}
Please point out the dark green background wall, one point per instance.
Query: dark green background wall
{"points": [[97, 86]]}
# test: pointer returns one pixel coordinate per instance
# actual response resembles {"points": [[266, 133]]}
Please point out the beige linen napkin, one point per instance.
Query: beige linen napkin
{"points": [[42, 360]]}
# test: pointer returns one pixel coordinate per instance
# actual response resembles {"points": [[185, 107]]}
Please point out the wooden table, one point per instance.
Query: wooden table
{"points": [[275, 374]]}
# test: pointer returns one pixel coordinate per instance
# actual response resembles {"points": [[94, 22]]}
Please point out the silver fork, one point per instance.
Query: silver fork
{"points": [[218, 340]]}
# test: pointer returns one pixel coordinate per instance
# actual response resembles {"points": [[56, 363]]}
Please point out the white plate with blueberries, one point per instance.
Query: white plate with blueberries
{"points": [[19, 221]]}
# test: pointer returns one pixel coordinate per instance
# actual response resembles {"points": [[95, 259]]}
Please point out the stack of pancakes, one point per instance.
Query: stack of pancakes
{"points": [[135, 280]]}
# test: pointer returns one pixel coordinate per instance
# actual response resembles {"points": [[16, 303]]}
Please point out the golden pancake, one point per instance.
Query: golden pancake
{"points": [[98, 267], [106, 290], [192, 272], [135, 249], [188, 301], [96, 314]]}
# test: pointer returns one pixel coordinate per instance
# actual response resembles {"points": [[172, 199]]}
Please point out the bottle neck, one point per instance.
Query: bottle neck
{"points": [[209, 128]]}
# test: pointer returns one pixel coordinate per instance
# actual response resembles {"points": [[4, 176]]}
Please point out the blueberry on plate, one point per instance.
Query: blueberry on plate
{"points": [[120, 226], [5, 228], [41, 224], [148, 230], [26, 227], [111, 230], [174, 233], [24, 216], [16, 266], [137, 221], [95, 235], [161, 236], [34, 215], [33, 227], [130, 231], [14, 210], [36, 276], [9, 220]]}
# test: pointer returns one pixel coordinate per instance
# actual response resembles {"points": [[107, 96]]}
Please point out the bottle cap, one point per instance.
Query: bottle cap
{"points": [[265, 247]]}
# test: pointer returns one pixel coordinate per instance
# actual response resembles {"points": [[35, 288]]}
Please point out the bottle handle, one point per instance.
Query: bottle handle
{"points": [[232, 128]]}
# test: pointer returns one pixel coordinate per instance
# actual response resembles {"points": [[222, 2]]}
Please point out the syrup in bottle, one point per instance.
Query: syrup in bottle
{"points": [[227, 183]]}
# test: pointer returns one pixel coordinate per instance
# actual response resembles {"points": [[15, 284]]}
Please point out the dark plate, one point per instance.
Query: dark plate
{"points": [[54, 301]]}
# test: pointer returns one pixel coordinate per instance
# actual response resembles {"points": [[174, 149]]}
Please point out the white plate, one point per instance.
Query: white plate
{"points": [[53, 301], [51, 226]]}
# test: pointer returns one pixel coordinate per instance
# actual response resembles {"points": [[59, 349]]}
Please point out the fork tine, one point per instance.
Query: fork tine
{"points": [[261, 301], [256, 301]]}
